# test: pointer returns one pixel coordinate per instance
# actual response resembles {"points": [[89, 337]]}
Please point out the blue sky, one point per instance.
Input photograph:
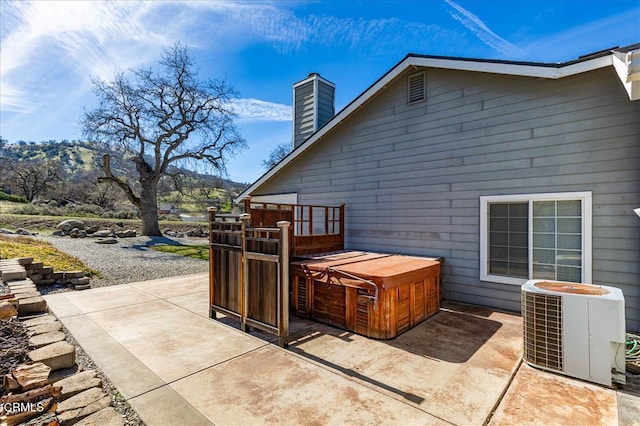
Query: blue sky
{"points": [[51, 49]]}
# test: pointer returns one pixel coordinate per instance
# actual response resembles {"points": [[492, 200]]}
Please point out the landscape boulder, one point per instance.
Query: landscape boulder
{"points": [[106, 241], [21, 231], [103, 233], [126, 234], [92, 229], [6, 231], [68, 225], [78, 233], [198, 232]]}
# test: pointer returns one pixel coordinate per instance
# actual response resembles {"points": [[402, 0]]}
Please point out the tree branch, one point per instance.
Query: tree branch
{"points": [[106, 167]]}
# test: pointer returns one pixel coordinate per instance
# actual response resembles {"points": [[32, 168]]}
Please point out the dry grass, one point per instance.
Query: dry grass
{"points": [[41, 251]]}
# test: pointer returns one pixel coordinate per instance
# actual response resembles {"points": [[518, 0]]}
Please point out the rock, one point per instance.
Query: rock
{"points": [[47, 327], [6, 231], [69, 224], [92, 229], [82, 286], [7, 310], [63, 373], [126, 234], [21, 231], [120, 224], [196, 232], [43, 319], [105, 417], [45, 339], [26, 294], [58, 233], [81, 405], [74, 274], [106, 241], [82, 234], [77, 383], [25, 261], [80, 281], [32, 305], [103, 233], [56, 355], [13, 274], [23, 289]]}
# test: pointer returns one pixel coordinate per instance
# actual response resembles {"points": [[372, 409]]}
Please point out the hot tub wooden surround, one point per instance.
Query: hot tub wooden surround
{"points": [[374, 294]]}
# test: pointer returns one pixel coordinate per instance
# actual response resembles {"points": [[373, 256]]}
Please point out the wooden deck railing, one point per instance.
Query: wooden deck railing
{"points": [[315, 229]]}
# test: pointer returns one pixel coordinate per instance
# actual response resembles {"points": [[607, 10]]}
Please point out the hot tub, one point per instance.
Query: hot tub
{"points": [[374, 294]]}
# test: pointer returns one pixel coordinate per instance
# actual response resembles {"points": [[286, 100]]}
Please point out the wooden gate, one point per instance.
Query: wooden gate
{"points": [[249, 273]]}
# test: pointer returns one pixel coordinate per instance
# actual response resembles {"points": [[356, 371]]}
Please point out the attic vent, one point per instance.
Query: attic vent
{"points": [[416, 88]]}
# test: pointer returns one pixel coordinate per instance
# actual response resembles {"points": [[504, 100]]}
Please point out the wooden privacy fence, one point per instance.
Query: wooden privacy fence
{"points": [[249, 273]]}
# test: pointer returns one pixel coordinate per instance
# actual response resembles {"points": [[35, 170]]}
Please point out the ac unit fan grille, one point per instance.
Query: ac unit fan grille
{"points": [[542, 329]]}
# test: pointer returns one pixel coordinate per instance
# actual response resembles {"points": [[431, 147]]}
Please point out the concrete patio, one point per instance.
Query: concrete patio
{"points": [[174, 365]]}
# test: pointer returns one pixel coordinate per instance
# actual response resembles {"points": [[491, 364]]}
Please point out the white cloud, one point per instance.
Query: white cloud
{"points": [[484, 33], [252, 110]]}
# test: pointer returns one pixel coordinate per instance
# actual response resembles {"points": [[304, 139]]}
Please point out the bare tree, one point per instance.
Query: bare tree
{"points": [[161, 118], [32, 178], [276, 155]]}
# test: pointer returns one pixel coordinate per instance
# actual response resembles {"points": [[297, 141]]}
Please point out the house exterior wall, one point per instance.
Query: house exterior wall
{"points": [[412, 175]]}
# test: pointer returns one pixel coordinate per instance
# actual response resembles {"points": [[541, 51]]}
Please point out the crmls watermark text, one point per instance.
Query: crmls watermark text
{"points": [[9, 408]]}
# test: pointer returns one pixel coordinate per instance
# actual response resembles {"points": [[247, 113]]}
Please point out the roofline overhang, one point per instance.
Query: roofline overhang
{"points": [[525, 69]]}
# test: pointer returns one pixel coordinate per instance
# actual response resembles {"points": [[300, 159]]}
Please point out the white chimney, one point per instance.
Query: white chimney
{"points": [[313, 106]]}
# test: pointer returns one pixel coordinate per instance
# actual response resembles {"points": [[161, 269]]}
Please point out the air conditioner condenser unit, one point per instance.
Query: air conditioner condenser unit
{"points": [[575, 329]]}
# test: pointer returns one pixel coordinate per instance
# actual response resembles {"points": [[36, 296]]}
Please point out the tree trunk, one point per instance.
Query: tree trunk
{"points": [[149, 209]]}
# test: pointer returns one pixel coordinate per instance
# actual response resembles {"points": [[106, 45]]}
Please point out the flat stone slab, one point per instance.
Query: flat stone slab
{"points": [[74, 274], [27, 295], [82, 405], [44, 319], [80, 400], [105, 417], [56, 355], [80, 281], [56, 376], [47, 327], [82, 287], [78, 383], [13, 274], [20, 282], [23, 290], [31, 305], [45, 339]]}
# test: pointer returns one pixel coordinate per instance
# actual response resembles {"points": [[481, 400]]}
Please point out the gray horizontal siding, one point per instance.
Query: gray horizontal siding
{"points": [[411, 176]]}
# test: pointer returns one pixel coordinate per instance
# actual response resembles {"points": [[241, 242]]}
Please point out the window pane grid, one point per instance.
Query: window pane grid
{"points": [[557, 240], [508, 239]]}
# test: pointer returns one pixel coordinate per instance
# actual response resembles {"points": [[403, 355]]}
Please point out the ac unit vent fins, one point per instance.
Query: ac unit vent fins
{"points": [[542, 316], [416, 88]]}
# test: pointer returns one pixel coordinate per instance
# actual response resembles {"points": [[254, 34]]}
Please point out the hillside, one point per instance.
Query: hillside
{"points": [[83, 161]]}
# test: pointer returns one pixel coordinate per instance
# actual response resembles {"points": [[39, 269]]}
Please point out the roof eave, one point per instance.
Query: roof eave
{"points": [[550, 71]]}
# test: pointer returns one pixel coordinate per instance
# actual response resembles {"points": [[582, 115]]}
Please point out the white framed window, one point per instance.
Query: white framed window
{"points": [[535, 236]]}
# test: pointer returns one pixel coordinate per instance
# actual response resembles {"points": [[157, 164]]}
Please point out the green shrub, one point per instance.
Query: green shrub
{"points": [[13, 198]]}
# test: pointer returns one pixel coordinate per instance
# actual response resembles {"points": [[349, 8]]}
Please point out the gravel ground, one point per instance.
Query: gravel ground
{"points": [[131, 259]]}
